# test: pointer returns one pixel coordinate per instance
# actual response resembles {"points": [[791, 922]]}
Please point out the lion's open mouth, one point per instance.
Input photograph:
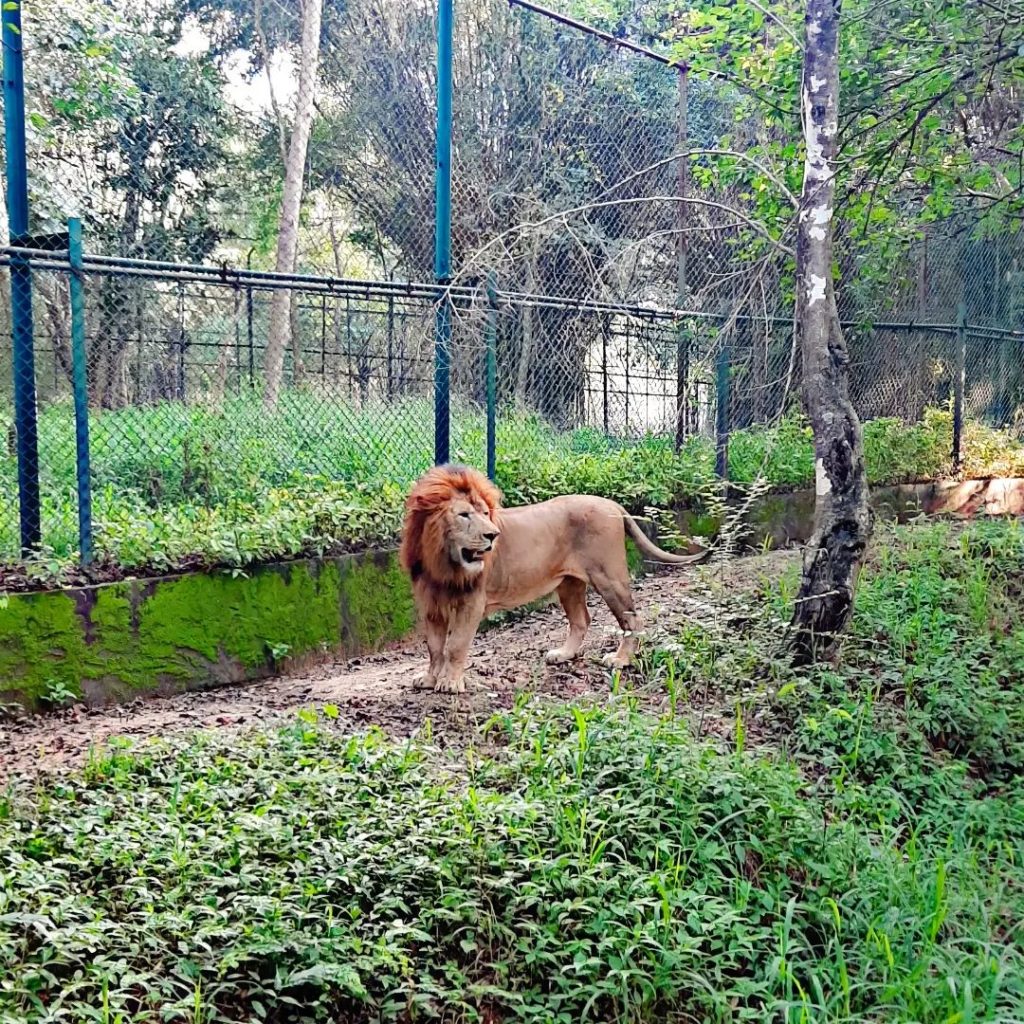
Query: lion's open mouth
{"points": [[469, 556]]}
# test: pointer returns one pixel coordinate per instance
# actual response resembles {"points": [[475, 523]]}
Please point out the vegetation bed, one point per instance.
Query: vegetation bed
{"points": [[852, 851]]}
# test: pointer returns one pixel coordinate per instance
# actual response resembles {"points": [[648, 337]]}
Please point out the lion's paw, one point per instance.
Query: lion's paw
{"points": [[614, 661], [423, 681], [446, 684], [559, 656]]}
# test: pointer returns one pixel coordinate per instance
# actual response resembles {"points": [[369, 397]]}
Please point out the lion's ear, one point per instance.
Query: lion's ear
{"points": [[418, 503], [428, 499]]}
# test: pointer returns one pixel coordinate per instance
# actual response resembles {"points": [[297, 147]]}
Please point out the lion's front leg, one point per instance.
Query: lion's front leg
{"points": [[436, 634], [460, 636]]}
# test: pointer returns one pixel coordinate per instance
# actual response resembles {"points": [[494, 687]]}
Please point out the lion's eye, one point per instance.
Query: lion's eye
{"points": [[463, 515]]}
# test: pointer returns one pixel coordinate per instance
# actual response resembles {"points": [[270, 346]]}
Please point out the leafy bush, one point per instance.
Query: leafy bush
{"points": [[604, 867], [915, 738], [896, 454], [299, 876], [600, 864]]}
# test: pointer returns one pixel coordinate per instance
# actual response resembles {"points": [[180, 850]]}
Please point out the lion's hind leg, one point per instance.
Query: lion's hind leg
{"points": [[619, 598], [573, 595]]}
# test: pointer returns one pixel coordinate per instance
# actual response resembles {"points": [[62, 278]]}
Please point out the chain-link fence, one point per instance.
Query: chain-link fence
{"points": [[617, 274]]}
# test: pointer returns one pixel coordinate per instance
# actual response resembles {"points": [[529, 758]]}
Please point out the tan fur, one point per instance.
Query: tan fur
{"points": [[515, 556]]}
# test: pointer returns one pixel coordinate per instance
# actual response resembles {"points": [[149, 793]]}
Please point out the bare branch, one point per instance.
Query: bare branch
{"points": [[731, 153]]}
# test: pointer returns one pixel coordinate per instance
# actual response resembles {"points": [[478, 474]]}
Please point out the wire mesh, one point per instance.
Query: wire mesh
{"points": [[617, 203]]}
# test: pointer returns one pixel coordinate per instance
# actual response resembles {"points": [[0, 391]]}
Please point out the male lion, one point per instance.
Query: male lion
{"points": [[468, 557]]}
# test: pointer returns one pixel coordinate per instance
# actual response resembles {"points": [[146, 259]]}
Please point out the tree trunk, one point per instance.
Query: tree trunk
{"points": [[58, 313], [528, 350], [279, 328], [295, 330], [842, 516]]}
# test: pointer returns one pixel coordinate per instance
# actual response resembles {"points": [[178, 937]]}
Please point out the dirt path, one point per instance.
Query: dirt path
{"points": [[377, 690]]}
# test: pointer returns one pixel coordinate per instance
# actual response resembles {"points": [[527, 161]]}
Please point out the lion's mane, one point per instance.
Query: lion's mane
{"points": [[424, 550]]}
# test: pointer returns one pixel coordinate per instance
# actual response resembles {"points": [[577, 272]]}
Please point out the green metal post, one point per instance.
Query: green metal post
{"points": [[80, 377], [682, 382], [722, 412], [682, 285], [492, 373], [959, 381], [25, 415], [443, 234]]}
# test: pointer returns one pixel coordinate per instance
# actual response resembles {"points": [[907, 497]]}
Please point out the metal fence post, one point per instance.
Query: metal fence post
{"points": [[391, 347], [80, 378], [682, 185], [249, 324], [492, 372], [443, 234], [682, 382], [182, 344], [323, 338], [249, 336], [625, 374], [722, 412], [959, 380], [604, 372], [23, 362]]}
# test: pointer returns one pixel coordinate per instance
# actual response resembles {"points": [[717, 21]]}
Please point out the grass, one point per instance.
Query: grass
{"points": [[177, 485], [853, 852]]}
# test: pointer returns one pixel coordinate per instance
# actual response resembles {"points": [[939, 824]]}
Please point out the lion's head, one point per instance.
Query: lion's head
{"points": [[450, 527]]}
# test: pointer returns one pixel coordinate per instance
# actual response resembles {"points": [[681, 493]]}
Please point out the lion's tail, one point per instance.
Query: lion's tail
{"points": [[651, 550]]}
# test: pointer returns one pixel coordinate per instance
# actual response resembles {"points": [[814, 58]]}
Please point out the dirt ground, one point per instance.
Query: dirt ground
{"points": [[377, 689]]}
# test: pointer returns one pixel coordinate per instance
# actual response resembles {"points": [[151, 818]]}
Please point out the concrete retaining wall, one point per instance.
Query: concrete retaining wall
{"points": [[113, 642]]}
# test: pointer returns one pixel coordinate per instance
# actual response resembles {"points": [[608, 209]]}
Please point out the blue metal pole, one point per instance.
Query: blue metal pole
{"points": [[25, 420], [492, 373], [722, 412], [76, 286], [959, 385], [443, 234]]}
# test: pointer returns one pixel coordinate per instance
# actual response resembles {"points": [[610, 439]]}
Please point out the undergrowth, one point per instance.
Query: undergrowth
{"points": [[177, 486], [851, 853], [916, 738]]}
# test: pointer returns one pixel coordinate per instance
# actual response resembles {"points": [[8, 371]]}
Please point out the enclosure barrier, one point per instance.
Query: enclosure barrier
{"points": [[574, 268], [372, 353], [22, 363]]}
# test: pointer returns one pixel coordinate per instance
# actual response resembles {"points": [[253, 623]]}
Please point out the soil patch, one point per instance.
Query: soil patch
{"points": [[378, 691]]}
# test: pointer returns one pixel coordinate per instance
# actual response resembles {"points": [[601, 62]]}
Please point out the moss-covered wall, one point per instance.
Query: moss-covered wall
{"points": [[116, 641], [112, 642]]}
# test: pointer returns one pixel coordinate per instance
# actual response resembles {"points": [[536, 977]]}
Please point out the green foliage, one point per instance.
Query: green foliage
{"points": [[918, 85], [143, 125], [600, 864], [897, 455], [917, 738], [301, 876], [949, 607], [58, 693], [934, 655]]}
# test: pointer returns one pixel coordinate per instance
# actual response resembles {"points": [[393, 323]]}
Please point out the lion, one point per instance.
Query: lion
{"points": [[468, 557]]}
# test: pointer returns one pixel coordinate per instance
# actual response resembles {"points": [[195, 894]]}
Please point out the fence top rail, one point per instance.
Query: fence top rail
{"points": [[613, 40], [466, 295]]}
